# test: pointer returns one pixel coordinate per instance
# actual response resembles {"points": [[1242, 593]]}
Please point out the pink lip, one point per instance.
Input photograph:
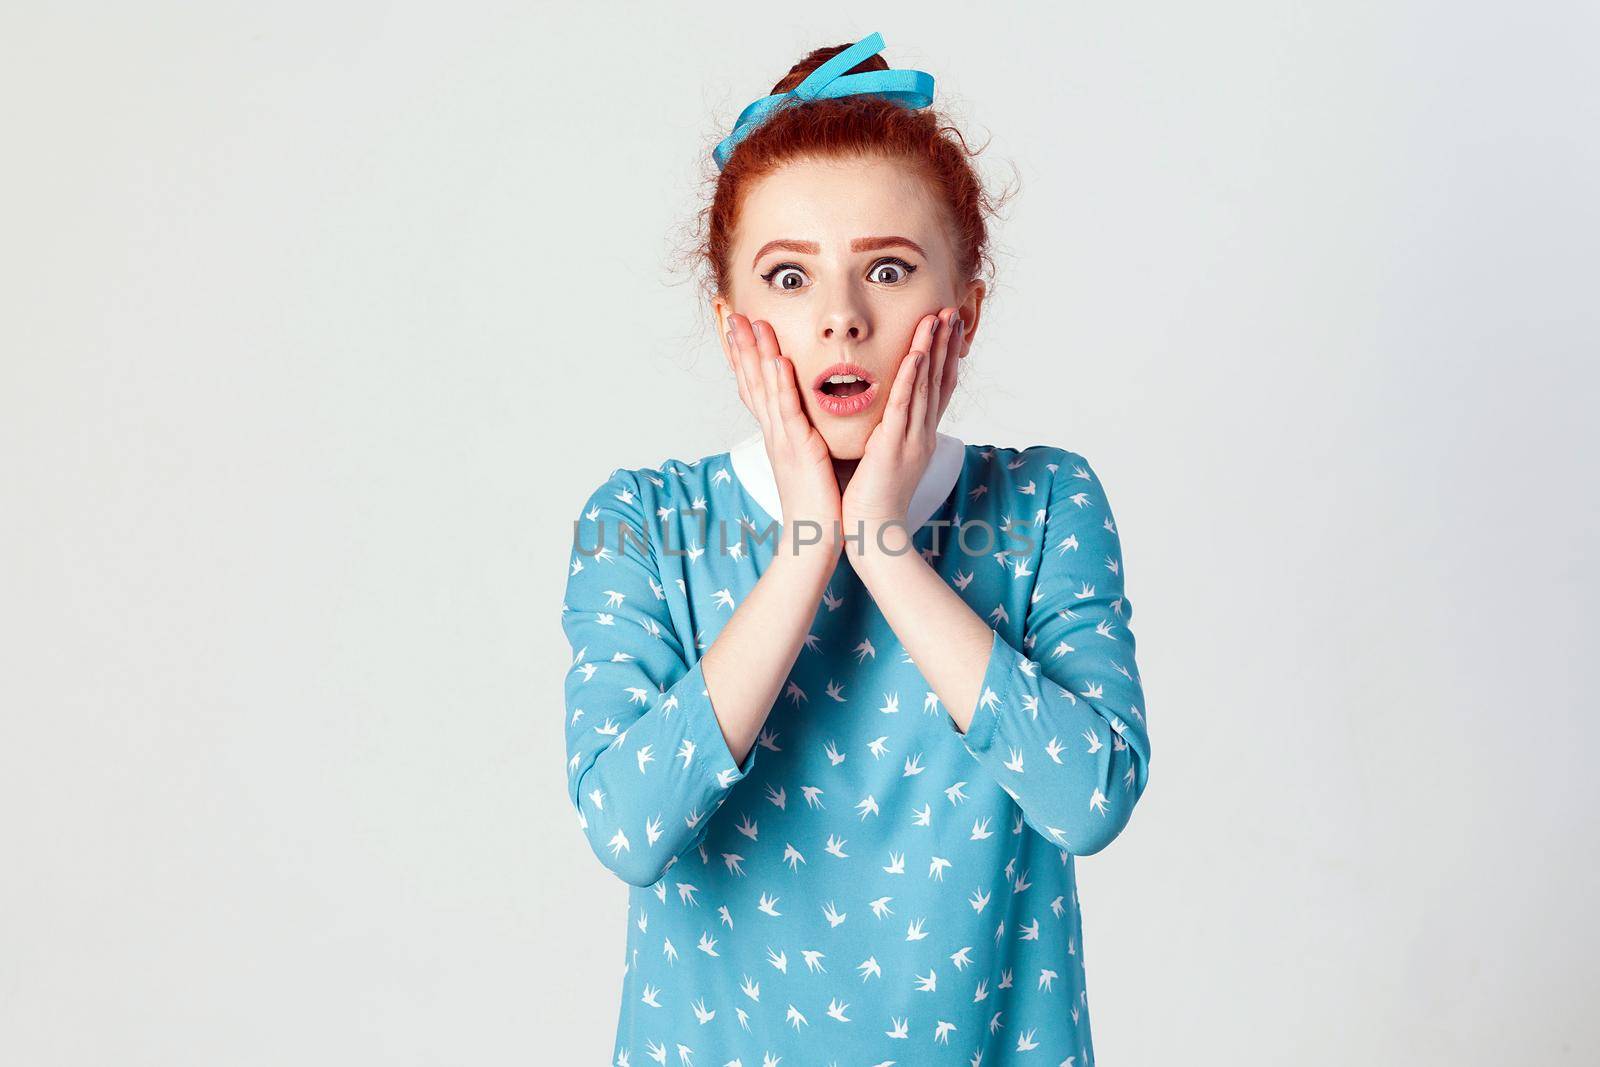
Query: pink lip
{"points": [[845, 405]]}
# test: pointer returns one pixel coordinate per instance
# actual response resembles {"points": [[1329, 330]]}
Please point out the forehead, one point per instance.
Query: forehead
{"points": [[833, 200]]}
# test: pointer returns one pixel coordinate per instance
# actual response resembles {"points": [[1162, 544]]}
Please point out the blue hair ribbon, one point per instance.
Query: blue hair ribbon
{"points": [[908, 88]]}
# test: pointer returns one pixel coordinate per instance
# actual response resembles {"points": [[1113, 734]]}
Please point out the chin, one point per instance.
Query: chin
{"points": [[848, 441]]}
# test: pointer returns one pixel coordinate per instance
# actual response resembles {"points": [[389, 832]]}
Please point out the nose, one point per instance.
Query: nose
{"points": [[844, 313], [845, 321]]}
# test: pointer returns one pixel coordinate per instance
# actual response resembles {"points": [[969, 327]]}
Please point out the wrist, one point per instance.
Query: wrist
{"points": [[868, 541], [808, 549]]}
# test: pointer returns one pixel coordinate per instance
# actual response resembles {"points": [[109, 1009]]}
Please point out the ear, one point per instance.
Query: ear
{"points": [[721, 310], [971, 310]]}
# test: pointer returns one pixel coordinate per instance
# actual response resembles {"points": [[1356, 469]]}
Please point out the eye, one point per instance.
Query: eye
{"points": [[788, 272], [891, 270]]}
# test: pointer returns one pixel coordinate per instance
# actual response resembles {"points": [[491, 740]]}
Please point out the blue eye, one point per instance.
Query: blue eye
{"points": [[890, 270]]}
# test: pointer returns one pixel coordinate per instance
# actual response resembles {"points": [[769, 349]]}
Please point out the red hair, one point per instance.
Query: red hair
{"points": [[850, 127]]}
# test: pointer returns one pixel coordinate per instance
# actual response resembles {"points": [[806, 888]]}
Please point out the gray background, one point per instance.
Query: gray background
{"points": [[319, 321]]}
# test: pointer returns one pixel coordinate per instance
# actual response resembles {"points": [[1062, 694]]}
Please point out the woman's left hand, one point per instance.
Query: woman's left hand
{"points": [[898, 449]]}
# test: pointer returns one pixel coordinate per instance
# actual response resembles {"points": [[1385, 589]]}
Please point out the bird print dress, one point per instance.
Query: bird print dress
{"points": [[869, 886]]}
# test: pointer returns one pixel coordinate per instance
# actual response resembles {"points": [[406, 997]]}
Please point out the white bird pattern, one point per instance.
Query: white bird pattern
{"points": [[1051, 767]]}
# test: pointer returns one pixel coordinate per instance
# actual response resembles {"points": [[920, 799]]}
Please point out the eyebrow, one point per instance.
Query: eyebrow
{"points": [[860, 244]]}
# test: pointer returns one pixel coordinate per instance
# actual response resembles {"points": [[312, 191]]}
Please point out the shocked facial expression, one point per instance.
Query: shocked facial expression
{"points": [[844, 258]]}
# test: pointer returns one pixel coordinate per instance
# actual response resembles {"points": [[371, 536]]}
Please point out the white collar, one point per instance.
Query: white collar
{"points": [[754, 471]]}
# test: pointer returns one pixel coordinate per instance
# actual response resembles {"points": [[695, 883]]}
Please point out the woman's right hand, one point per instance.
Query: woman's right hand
{"points": [[801, 461]]}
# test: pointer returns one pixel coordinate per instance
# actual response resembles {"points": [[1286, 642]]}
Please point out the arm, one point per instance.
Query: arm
{"points": [[1064, 734], [655, 742]]}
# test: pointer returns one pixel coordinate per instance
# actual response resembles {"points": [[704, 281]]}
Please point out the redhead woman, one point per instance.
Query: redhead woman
{"points": [[848, 700]]}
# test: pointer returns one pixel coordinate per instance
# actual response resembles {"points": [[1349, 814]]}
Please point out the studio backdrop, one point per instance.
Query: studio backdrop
{"points": [[319, 324]]}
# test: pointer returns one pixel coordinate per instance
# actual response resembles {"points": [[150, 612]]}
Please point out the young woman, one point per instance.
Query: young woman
{"points": [[847, 699]]}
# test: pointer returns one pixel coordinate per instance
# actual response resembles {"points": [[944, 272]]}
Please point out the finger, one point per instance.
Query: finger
{"points": [[767, 345], [917, 409], [750, 360], [789, 405], [797, 420], [736, 358], [925, 415], [952, 368], [949, 354], [894, 413]]}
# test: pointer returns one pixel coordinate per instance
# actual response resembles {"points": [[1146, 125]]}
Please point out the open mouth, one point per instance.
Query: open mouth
{"points": [[844, 389], [844, 385]]}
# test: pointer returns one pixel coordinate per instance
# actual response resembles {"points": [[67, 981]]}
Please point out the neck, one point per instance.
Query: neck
{"points": [[842, 470]]}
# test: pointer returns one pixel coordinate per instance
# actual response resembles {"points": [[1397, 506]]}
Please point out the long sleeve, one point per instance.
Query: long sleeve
{"points": [[1064, 731], [647, 763]]}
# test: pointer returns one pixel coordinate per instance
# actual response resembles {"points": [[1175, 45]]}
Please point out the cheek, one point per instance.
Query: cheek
{"points": [[906, 330], [788, 325]]}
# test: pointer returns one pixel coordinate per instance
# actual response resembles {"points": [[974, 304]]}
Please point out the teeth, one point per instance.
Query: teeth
{"points": [[843, 379]]}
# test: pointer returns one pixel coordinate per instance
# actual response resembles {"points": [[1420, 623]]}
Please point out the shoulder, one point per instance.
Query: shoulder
{"points": [[1023, 468], [672, 482], [1052, 483]]}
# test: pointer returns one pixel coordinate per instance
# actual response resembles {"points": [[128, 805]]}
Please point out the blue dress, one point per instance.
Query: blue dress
{"points": [[869, 886]]}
